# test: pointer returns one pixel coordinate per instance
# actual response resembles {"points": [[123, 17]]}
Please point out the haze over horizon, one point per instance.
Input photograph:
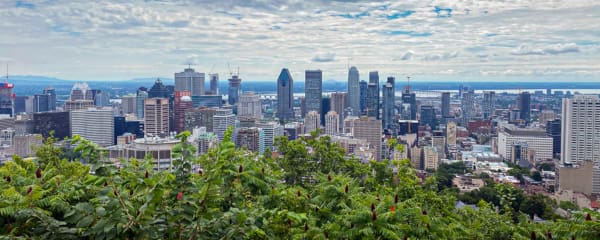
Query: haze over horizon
{"points": [[428, 40]]}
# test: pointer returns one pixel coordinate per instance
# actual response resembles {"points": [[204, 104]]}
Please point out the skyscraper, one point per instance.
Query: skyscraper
{"points": [[158, 90], [250, 106], [312, 121], [389, 97], [313, 89], [251, 138], [338, 104], [524, 104], [332, 123], [140, 98], [489, 104], [409, 98], [182, 104], [369, 129], [445, 104], [285, 96], [235, 89], [428, 116], [363, 86], [128, 104], [354, 91], [223, 119], [96, 125], [373, 95], [156, 117], [467, 107], [190, 81], [214, 84], [580, 142], [325, 108], [553, 129], [451, 133]]}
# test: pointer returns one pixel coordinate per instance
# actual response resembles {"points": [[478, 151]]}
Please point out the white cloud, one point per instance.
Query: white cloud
{"points": [[526, 49], [324, 57]]}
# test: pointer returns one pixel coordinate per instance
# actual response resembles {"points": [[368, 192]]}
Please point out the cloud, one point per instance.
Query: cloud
{"points": [[324, 57], [408, 55], [441, 56], [526, 49], [192, 59]]}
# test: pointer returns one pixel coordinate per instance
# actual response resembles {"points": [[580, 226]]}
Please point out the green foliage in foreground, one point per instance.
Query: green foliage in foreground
{"points": [[239, 195]]}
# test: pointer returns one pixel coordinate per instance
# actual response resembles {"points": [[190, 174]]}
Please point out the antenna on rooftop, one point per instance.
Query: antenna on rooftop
{"points": [[6, 79], [408, 83]]}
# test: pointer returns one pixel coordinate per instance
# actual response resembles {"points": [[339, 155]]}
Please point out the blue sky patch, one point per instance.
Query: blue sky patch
{"points": [[491, 34], [400, 15], [443, 12], [62, 29], [22, 4], [353, 16], [408, 33]]}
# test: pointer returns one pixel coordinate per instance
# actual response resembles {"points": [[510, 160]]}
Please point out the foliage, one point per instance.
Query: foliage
{"points": [[310, 192]]}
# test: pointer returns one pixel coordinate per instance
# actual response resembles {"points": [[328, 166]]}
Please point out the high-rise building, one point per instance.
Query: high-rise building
{"points": [[128, 104], [524, 104], [409, 99], [235, 89], [250, 106], [536, 139], [182, 104], [373, 95], [363, 86], [389, 98], [25, 144], [140, 98], [200, 117], [190, 81], [214, 84], [312, 121], [467, 107], [332, 122], [451, 133], [102, 99], [313, 89], [325, 108], [271, 131], [430, 157], [489, 104], [156, 117], [354, 91], [369, 129], [206, 141], [445, 104], [223, 119], [24, 104], [44, 102], [338, 104], [158, 90], [96, 125], [251, 138], [428, 116], [553, 129], [56, 122], [51, 93], [285, 96]]}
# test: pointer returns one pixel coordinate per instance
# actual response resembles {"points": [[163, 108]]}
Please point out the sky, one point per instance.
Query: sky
{"points": [[461, 40]]}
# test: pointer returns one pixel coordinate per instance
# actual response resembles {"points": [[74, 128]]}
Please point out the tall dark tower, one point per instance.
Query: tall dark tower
{"points": [[410, 98], [524, 105], [373, 95], [285, 96], [235, 89], [389, 98]]}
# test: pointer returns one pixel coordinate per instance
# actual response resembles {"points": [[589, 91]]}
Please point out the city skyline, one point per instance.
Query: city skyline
{"points": [[429, 40]]}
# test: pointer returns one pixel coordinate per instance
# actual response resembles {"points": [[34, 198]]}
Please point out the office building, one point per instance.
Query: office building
{"points": [[158, 90], [57, 122], [128, 104], [234, 90], [354, 91], [156, 117], [428, 116], [25, 144], [338, 104], [182, 104], [312, 122], [489, 104], [445, 104], [553, 130], [96, 125], [332, 122], [140, 98], [408, 127], [363, 86], [325, 108], [214, 84], [313, 90], [159, 149], [200, 117], [373, 95], [467, 107], [409, 101], [524, 105], [536, 140], [285, 96], [190, 81], [430, 158], [271, 131], [369, 129], [250, 106], [206, 141], [451, 133], [222, 120], [251, 139], [389, 98]]}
